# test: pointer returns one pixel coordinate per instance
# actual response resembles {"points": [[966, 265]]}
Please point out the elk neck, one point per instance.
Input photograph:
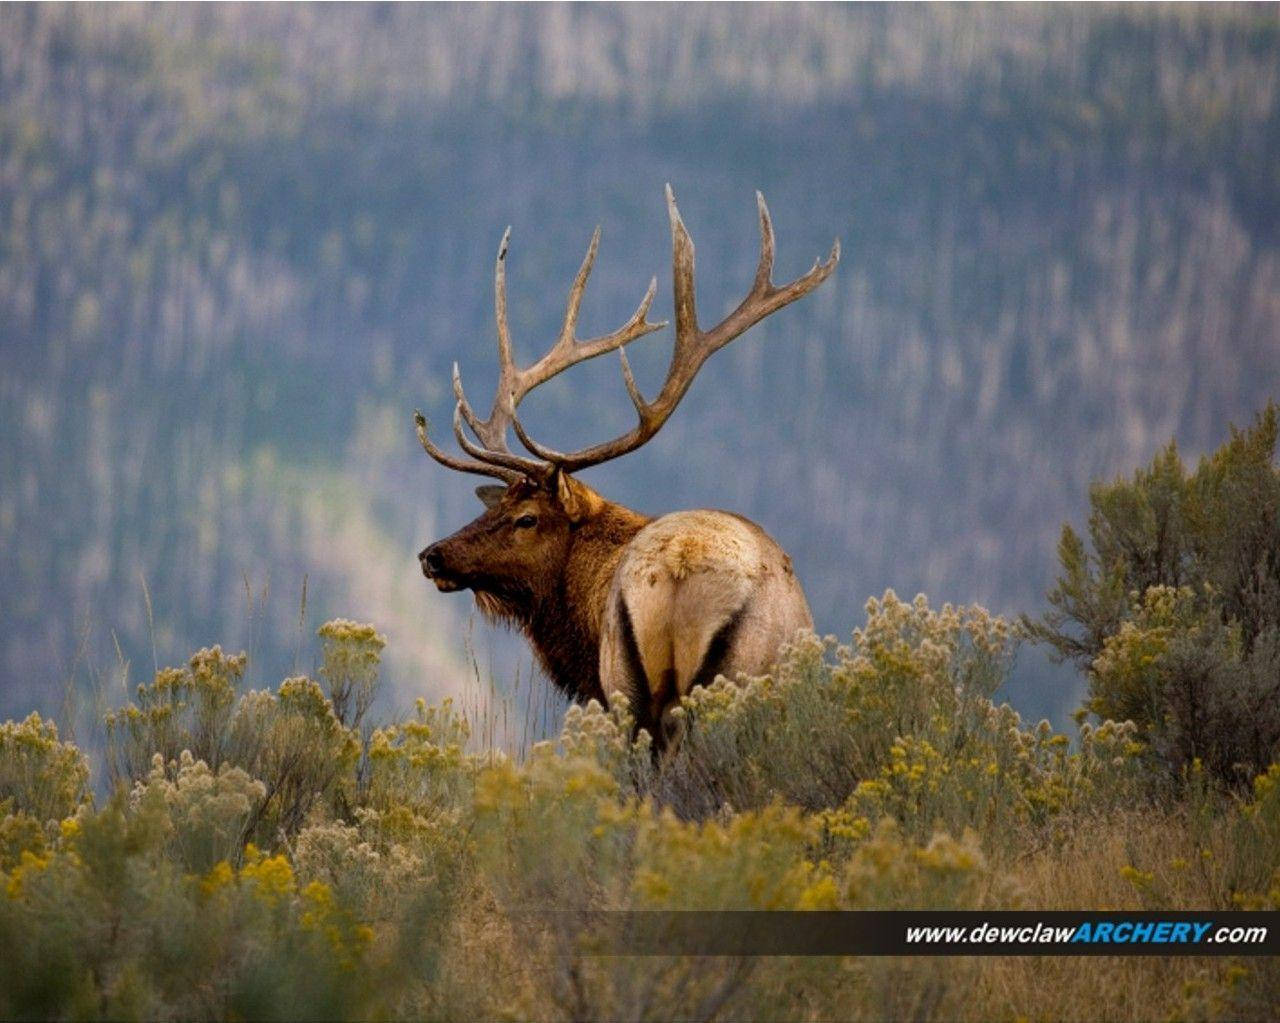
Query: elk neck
{"points": [[563, 622]]}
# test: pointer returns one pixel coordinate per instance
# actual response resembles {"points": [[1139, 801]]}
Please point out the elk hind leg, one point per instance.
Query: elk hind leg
{"points": [[638, 660]]}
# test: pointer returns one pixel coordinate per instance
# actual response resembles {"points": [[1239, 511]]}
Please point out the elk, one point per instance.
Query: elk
{"points": [[611, 600]]}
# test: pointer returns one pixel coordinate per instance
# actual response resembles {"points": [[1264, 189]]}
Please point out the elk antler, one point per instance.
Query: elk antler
{"points": [[493, 458], [693, 346]]}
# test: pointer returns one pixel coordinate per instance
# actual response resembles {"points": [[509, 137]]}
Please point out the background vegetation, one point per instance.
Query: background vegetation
{"points": [[239, 246]]}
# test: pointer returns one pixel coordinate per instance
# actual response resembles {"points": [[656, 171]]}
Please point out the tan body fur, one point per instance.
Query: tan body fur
{"points": [[684, 580]]}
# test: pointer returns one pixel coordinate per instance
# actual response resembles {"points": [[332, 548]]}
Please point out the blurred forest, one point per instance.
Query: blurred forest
{"points": [[240, 244]]}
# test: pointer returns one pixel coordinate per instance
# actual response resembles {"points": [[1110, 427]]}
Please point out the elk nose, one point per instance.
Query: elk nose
{"points": [[432, 561]]}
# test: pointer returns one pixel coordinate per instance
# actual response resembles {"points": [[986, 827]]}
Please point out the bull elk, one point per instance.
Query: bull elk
{"points": [[613, 601]]}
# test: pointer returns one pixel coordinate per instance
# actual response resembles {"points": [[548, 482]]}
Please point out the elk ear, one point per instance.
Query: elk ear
{"points": [[578, 500], [490, 494]]}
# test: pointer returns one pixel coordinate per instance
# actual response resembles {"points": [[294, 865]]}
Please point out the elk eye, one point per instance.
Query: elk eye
{"points": [[525, 521]]}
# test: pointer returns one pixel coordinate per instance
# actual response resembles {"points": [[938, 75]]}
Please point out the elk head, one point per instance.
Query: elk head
{"points": [[512, 554]]}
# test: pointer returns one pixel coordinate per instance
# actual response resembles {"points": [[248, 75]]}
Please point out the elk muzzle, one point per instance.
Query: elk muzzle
{"points": [[435, 568]]}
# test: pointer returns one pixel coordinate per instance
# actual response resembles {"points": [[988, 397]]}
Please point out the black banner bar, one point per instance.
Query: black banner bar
{"points": [[923, 933]]}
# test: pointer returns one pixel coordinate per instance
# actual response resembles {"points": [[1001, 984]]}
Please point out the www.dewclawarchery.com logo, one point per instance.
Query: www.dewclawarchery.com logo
{"points": [[924, 932], [1110, 932]]}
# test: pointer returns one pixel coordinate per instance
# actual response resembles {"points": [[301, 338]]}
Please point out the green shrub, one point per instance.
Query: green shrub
{"points": [[42, 781], [208, 813], [40, 776], [314, 875], [180, 709], [292, 742], [1175, 611], [291, 748], [352, 652], [827, 718], [109, 926], [421, 763], [1182, 673], [899, 724]]}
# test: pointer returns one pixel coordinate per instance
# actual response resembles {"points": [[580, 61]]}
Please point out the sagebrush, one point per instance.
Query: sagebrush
{"points": [[270, 855]]}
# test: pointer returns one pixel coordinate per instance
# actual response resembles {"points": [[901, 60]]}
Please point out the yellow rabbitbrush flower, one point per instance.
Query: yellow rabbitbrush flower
{"points": [[1259, 834], [220, 877], [1140, 879], [271, 880], [605, 736], [422, 763], [347, 940], [28, 865], [945, 855], [1266, 796], [822, 893], [843, 824], [207, 811], [19, 833], [888, 871], [365, 640], [272, 877], [319, 898], [181, 708], [501, 789], [754, 860], [352, 654]]}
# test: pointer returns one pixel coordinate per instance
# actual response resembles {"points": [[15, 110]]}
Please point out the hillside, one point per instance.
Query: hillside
{"points": [[238, 246]]}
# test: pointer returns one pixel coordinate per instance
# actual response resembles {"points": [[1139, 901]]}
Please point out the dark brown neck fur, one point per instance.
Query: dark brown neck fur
{"points": [[563, 623]]}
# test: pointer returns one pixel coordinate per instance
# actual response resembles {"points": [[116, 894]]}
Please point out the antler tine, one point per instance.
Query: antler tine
{"points": [[452, 462], [764, 298], [549, 455], [563, 356], [492, 432], [575, 293], [693, 346], [681, 276], [637, 399], [764, 271], [506, 362], [519, 465], [474, 421]]}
